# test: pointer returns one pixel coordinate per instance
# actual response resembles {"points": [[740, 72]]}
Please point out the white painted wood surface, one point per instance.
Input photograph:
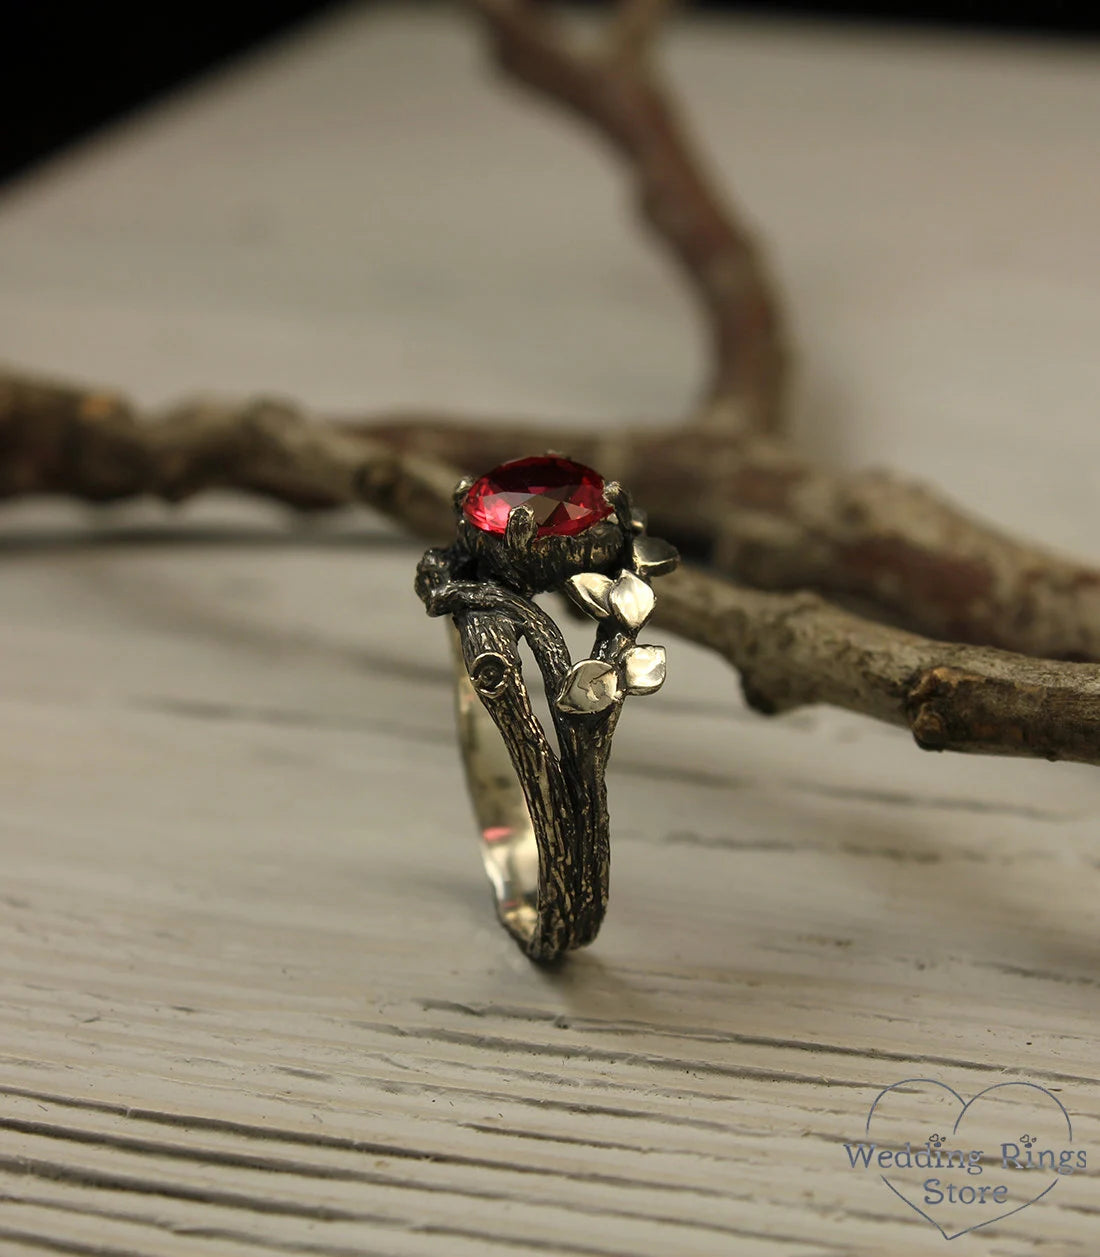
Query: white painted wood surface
{"points": [[252, 996]]}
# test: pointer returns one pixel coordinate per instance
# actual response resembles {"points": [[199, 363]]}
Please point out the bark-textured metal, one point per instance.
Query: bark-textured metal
{"points": [[542, 807]]}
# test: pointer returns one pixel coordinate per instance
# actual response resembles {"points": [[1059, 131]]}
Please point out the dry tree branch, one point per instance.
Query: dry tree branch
{"points": [[724, 484], [93, 445], [632, 31], [615, 91], [791, 649], [796, 649]]}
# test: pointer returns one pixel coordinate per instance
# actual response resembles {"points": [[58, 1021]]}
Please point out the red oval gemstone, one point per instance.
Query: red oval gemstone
{"points": [[566, 497]]}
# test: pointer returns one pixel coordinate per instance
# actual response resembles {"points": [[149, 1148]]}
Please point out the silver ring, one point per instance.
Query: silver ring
{"points": [[528, 527]]}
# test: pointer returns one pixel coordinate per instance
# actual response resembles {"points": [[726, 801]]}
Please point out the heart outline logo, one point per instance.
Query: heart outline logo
{"points": [[964, 1107]]}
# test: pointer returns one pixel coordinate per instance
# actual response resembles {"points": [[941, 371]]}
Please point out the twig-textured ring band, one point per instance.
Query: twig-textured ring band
{"points": [[525, 528]]}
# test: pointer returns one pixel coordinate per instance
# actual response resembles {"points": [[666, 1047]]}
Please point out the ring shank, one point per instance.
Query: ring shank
{"points": [[509, 846]]}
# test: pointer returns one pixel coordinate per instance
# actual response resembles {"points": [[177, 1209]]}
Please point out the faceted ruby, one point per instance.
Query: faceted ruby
{"points": [[566, 497]]}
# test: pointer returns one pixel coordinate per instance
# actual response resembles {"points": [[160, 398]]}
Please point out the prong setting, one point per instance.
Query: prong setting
{"points": [[458, 495], [521, 526]]}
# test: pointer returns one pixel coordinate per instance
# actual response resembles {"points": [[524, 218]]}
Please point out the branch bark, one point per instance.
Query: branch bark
{"points": [[793, 650]]}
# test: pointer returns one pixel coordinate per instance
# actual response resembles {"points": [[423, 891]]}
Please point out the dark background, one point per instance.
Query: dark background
{"points": [[67, 68]]}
